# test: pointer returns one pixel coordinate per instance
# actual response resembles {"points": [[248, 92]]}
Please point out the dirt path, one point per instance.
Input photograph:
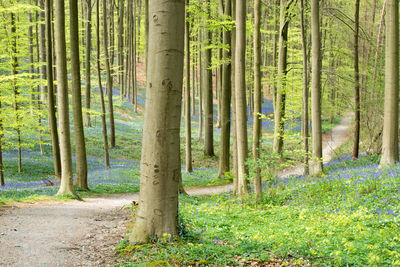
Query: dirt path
{"points": [[77, 233]]}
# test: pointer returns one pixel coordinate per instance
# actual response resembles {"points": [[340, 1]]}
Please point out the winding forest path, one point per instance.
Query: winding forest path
{"points": [[84, 233]]}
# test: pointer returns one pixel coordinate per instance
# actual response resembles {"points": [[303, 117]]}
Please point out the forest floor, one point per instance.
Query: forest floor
{"points": [[84, 233]]}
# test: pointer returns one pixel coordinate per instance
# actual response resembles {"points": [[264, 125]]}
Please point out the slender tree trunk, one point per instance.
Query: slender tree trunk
{"points": [[79, 135], [31, 61], [226, 95], [121, 9], [87, 61], [160, 163], [257, 98], [188, 122], [66, 186], [50, 93], [42, 50], [103, 106], [109, 78], [200, 87], [2, 181], [134, 88], [208, 90], [356, 83], [233, 92], [316, 166], [240, 87], [280, 101], [305, 87], [390, 145]]}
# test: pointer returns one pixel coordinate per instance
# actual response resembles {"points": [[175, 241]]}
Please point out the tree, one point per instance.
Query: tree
{"points": [[280, 100], [188, 122], [356, 83], [240, 87], [66, 186], [160, 162], [390, 150], [207, 89], [87, 62], [316, 166], [109, 78], [305, 87], [79, 135], [226, 94], [257, 97], [103, 106]]}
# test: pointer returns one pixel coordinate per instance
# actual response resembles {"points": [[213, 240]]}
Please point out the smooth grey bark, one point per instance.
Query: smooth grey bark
{"points": [[103, 106], [188, 128], [280, 100], [88, 49], [390, 146], [160, 162], [316, 164], [66, 185], [226, 95], [109, 78], [207, 88], [257, 98], [233, 90], [200, 135], [120, 39], [51, 102], [2, 181], [79, 135], [42, 50], [240, 88], [305, 115]]}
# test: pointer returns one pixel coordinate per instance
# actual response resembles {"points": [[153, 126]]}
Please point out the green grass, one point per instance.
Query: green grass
{"points": [[348, 216]]}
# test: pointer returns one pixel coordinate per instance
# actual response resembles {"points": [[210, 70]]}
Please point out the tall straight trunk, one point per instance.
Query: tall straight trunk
{"points": [[280, 101], [357, 105], [274, 49], [226, 95], [133, 64], [257, 98], [188, 121], [31, 61], [233, 93], [194, 87], [42, 50], [160, 162], [66, 186], [390, 146], [112, 35], [316, 165], [240, 88], [304, 123], [146, 31], [121, 9], [103, 106], [109, 78], [79, 135], [208, 90], [16, 92], [88, 49], [200, 87], [51, 103]]}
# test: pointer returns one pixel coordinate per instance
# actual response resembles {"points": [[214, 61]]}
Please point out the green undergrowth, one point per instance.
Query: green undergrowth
{"points": [[347, 217]]}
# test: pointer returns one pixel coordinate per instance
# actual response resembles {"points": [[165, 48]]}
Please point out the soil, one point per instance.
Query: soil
{"points": [[85, 233]]}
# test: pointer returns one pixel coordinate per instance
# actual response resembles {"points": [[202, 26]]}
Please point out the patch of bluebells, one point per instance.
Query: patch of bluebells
{"points": [[345, 189]]}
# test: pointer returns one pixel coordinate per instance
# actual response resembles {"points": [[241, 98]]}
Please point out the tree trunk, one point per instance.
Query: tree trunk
{"points": [[240, 87], [103, 106], [305, 87], [233, 92], [316, 165], [42, 50], [226, 94], [160, 162], [390, 146], [109, 78], [66, 186], [200, 88], [79, 135], [257, 98], [51, 103], [87, 61], [121, 9], [356, 83], [280, 101], [208, 90], [188, 122]]}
